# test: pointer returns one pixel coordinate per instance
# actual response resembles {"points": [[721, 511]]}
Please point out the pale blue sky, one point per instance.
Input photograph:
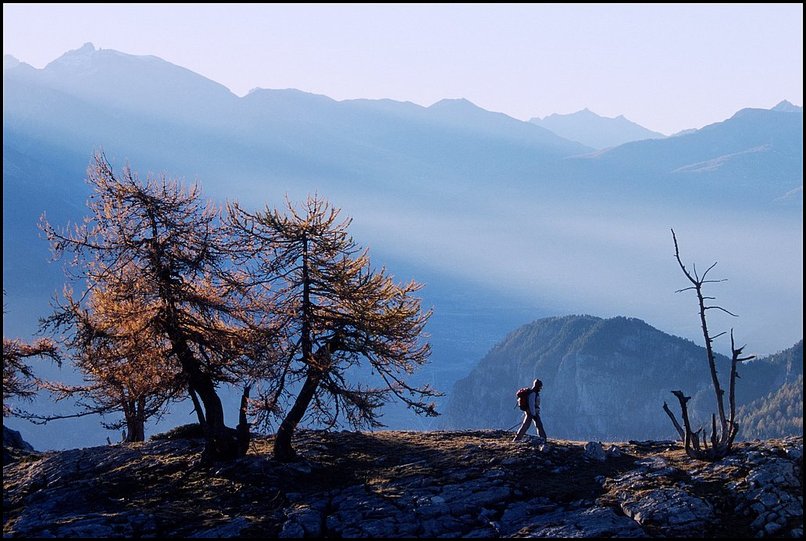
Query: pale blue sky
{"points": [[667, 67]]}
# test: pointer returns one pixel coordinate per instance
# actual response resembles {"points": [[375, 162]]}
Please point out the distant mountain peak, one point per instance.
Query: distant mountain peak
{"points": [[454, 103], [86, 48], [76, 57], [684, 132], [787, 107], [88, 56], [594, 130], [287, 95]]}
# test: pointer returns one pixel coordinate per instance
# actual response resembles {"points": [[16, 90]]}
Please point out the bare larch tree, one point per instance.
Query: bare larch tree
{"points": [[158, 253], [335, 311], [724, 432]]}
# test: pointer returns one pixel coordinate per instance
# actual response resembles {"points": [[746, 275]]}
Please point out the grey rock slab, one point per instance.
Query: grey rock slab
{"points": [[594, 451], [670, 508], [594, 522]]}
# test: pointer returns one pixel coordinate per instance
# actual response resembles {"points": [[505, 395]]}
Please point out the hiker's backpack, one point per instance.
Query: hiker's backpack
{"points": [[523, 398]]}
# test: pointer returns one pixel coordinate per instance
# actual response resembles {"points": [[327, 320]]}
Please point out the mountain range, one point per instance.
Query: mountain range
{"points": [[607, 379], [503, 220]]}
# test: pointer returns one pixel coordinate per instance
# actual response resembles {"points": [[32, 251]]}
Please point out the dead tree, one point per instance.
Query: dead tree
{"points": [[724, 432]]}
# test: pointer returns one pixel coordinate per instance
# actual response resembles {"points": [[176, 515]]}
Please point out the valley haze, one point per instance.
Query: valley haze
{"points": [[505, 221]]}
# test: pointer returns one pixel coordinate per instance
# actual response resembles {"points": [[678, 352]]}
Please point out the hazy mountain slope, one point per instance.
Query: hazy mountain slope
{"points": [[164, 118], [756, 152], [596, 131], [603, 379]]}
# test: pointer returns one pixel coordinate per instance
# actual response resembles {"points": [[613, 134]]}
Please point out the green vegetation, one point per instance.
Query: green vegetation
{"points": [[778, 414]]}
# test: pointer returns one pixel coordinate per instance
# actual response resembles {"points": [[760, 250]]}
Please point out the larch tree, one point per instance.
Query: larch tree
{"points": [[725, 429], [335, 311], [19, 379], [127, 367], [158, 254]]}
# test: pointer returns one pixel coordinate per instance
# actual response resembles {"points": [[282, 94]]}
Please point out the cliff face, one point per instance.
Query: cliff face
{"points": [[408, 484], [603, 379]]}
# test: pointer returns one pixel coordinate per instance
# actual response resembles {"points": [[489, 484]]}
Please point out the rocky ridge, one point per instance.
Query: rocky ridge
{"points": [[408, 484]]}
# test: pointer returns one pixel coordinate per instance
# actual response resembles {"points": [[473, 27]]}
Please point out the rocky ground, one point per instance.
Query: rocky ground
{"points": [[407, 484]]}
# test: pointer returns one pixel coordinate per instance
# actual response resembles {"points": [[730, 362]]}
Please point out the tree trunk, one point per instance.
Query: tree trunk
{"points": [[197, 407], [135, 422], [674, 421], [141, 419], [282, 442], [221, 441], [684, 412], [244, 437], [709, 350]]}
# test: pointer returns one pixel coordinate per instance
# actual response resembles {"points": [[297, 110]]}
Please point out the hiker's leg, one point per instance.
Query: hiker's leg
{"points": [[524, 427], [539, 426]]}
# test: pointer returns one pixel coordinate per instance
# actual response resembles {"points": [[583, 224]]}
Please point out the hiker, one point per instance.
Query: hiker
{"points": [[529, 402]]}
